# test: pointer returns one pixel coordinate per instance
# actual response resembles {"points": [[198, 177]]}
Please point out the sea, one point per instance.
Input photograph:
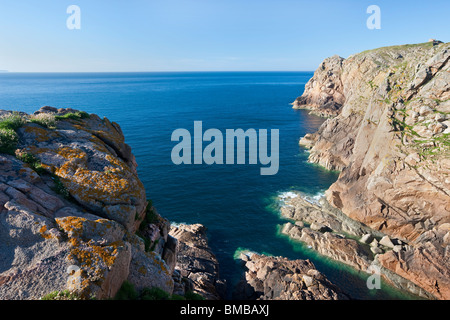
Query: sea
{"points": [[239, 207]]}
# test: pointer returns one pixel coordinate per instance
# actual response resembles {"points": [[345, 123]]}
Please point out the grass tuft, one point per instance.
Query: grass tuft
{"points": [[73, 116], [8, 140], [12, 121], [61, 295], [45, 120], [30, 159]]}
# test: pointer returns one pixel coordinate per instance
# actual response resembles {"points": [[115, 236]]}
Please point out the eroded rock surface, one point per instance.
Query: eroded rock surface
{"points": [[277, 278], [74, 215], [390, 140], [197, 263]]}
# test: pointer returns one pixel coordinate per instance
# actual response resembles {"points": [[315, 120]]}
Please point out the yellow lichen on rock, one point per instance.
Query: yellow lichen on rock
{"points": [[44, 233], [72, 226], [39, 133], [92, 249], [87, 185], [82, 177], [71, 153]]}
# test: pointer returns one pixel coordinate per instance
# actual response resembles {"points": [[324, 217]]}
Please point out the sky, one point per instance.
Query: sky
{"points": [[205, 35]]}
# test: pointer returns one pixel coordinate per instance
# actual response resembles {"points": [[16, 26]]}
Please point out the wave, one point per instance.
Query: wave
{"points": [[177, 224], [249, 253], [315, 199], [239, 251], [284, 197]]}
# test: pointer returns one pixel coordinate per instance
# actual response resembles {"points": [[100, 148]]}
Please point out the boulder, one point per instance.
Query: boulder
{"points": [[309, 281], [376, 250], [387, 242], [374, 243], [319, 227], [367, 238]]}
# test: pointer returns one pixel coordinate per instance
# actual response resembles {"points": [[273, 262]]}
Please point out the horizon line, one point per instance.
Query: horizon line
{"points": [[193, 71]]}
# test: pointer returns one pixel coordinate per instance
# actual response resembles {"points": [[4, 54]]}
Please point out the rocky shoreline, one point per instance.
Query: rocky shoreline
{"points": [[332, 234], [388, 133], [278, 278], [75, 220], [74, 216]]}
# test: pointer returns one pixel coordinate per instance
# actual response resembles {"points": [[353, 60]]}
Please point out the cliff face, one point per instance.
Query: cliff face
{"points": [[390, 140], [197, 262], [325, 91], [73, 213]]}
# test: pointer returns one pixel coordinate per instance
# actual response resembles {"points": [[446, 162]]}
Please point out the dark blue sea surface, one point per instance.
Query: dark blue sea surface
{"points": [[237, 204]]}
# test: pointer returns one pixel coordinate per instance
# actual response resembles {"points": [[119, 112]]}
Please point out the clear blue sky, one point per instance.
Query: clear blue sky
{"points": [[205, 35]]}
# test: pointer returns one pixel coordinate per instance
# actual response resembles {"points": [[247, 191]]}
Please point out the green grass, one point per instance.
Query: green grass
{"points": [[30, 159], [402, 126], [150, 217], [147, 242], [372, 86], [45, 120], [387, 101], [12, 121], [127, 292], [154, 294], [61, 295], [425, 45], [8, 140], [59, 188], [193, 296], [444, 140], [36, 165], [73, 116], [440, 147]]}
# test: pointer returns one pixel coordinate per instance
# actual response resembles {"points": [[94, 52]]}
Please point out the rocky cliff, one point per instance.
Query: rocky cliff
{"points": [[74, 217], [196, 263], [388, 134]]}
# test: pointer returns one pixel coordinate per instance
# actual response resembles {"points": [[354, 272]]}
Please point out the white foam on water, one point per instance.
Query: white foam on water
{"points": [[285, 196], [314, 199], [288, 195], [247, 252], [177, 224]]}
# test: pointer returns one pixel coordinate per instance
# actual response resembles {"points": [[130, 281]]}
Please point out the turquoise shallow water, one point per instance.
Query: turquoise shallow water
{"points": [[235, 203]]}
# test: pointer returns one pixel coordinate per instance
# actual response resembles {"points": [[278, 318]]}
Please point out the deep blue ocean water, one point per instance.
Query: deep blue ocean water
{"points": [[237, 205]]}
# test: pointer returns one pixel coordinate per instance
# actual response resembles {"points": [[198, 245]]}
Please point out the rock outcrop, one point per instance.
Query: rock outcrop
{"points": [[196, 263], [73, 213], [332, 245], [277, 278], [325, 91], [390, 140]]}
